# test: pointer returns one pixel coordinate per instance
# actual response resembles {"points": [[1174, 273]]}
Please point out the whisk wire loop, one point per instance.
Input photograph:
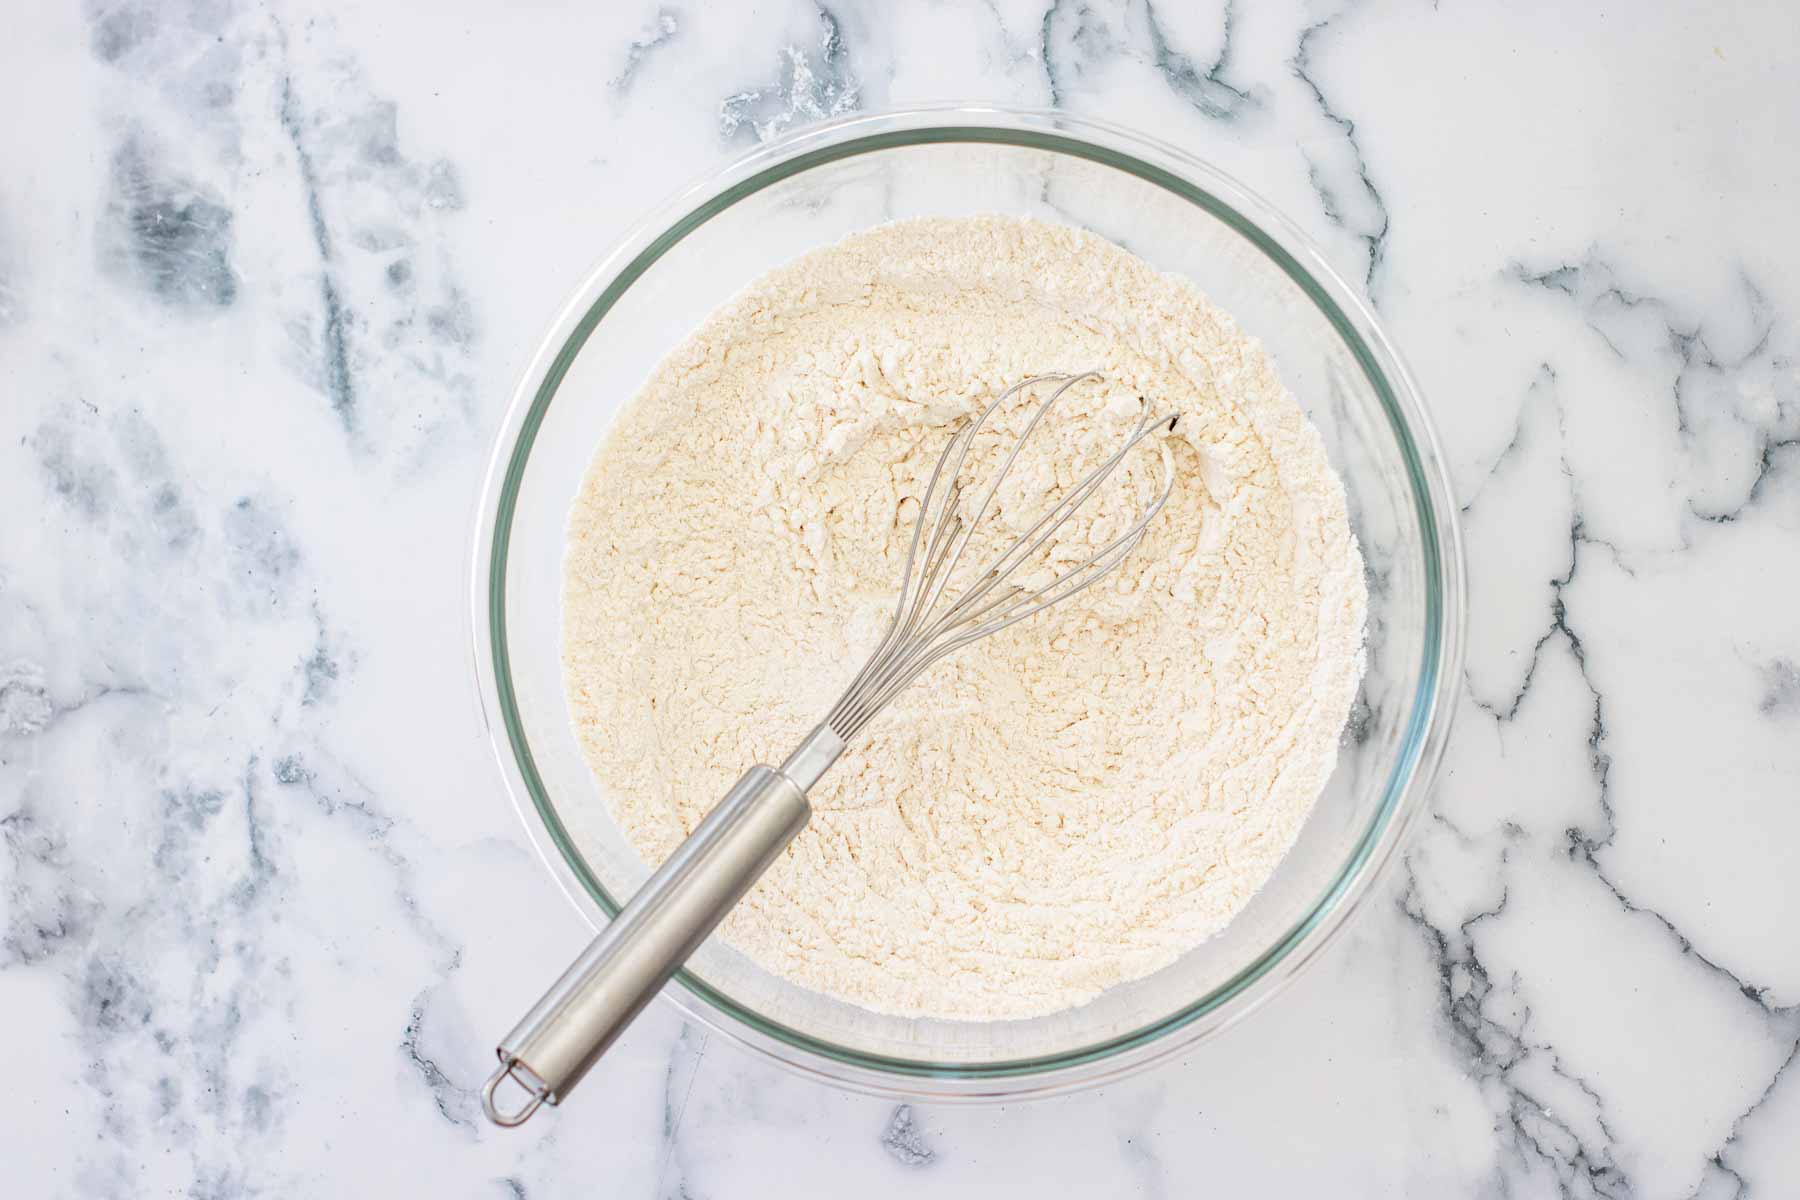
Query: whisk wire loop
{"points": [[924, 627]]}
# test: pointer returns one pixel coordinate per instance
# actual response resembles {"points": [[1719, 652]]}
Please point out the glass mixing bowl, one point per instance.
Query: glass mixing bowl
{"points": [[811, 189]]}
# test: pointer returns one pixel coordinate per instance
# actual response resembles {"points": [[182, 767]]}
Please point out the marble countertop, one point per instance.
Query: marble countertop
{"points": [[266, 276]]}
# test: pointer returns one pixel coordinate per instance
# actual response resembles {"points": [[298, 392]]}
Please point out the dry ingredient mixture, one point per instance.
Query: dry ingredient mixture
{"points": [[1068, 805]]}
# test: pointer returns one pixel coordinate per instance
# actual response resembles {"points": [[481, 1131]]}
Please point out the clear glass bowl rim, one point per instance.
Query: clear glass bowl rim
{"points": [[1224, 198]]}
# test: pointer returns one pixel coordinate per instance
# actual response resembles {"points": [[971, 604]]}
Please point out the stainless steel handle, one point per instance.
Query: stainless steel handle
{"points": [[549, 1051]]}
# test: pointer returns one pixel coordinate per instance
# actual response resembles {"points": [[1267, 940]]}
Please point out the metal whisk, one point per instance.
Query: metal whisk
{"points": [[549, 1051]]}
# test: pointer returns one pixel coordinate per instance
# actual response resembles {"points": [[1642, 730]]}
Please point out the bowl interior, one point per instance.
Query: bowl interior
{"points": [[632, 318]]}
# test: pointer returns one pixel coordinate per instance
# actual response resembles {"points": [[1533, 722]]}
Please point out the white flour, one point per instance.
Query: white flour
{"points": [[1068, 805]]}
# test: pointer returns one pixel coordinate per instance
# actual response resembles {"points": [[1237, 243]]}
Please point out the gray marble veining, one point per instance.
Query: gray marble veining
{"points": [[266, 275]]}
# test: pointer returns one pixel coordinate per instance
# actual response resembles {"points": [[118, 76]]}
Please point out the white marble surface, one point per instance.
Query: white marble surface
{"points": [[266, 275]]}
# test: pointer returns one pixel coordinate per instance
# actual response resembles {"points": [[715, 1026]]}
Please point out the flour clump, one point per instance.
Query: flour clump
{"points": [[1068, 805]]}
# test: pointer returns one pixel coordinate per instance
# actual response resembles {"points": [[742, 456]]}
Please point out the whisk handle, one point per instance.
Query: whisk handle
{"points": [[549, 1051]]}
